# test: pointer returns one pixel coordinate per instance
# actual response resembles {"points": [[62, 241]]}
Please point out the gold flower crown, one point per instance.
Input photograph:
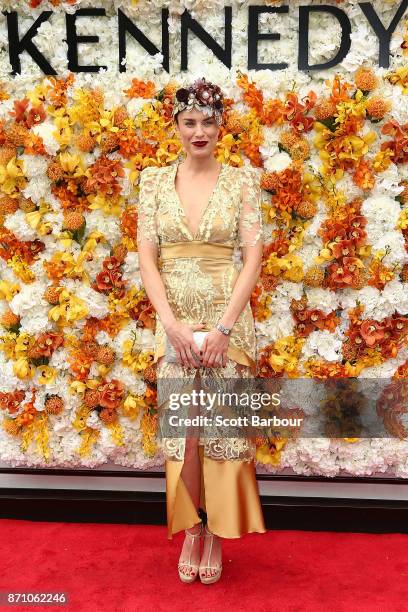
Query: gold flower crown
{"points": [[201, 95]]}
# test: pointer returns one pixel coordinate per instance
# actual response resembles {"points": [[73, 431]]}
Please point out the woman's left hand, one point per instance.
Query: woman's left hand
{"points": [[213, 353]]}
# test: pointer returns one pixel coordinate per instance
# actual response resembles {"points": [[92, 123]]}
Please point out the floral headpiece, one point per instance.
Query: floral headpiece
{"points": [[201, 95]]}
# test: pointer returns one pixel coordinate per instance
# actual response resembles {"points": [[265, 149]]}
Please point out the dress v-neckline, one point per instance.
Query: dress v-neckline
{"points": [[181, 207]]}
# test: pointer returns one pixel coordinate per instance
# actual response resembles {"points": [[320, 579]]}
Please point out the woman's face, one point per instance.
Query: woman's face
{"points": [[196, 128]]}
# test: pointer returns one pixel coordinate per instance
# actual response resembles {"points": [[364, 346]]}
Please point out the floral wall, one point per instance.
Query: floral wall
{"points": [[77, 384]]}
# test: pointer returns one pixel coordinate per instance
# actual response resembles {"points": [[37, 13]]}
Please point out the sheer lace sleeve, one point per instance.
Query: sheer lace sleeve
{"points": [[146, 213], [250, 219]]}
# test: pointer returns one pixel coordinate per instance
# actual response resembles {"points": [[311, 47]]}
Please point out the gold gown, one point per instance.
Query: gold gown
{"points": [[199, 273]]}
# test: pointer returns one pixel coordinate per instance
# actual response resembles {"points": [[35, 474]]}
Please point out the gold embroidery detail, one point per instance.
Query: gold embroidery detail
{"points": [[199, 288]]}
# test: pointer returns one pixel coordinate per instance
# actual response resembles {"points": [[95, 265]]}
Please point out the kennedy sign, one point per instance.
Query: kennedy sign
{"points": [[19, 42]]}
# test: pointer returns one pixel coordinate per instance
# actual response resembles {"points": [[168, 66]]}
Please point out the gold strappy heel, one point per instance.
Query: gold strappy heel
{"points": [[192, 566], [209, 579]]}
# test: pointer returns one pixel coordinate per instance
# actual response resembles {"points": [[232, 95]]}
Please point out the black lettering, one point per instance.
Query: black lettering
{"points": [[17, 46], [126, 25], [188, 23], [383, 34], [74, 40], [303, 51], [254, 36]]}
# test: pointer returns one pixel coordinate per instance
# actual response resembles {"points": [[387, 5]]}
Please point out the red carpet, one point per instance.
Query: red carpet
{"points": [[127, 568]]}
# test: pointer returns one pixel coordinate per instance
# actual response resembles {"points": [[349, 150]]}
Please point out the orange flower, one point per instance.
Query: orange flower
{"points": [[380, 274], [140, 89], [339, 90], [288, 188], [48, 342], [58, 89], [343, 248], [344, 272], [268, 111], [399, 145], [377, 108], [325, 109], [364, 176], [35, 116], [365, 79], [371, 331], [111, 394], [108, 280], [11, 401], [80, 364], [103, 176], [10, 247], [10, 320]]}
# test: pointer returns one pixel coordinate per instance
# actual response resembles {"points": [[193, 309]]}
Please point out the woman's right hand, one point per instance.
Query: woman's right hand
{"points": [[181, 337]]}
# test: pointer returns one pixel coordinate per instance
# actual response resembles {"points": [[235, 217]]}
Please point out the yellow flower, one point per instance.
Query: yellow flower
{"points": [[24, 342], [110, 206], [351, 108], [8, 290], [63, 132], [80, 387], [70, 308], [286, 354], [21, 269], [132, 406], [402, 222], [294, 267], [103, 124], [117, 433], [46, 374], [136, 362], [325, 254], [72, 164], [168, 151], [264, 454], [23, 369], [382, 160], [38, 94], [73, 268], [224, 149], [12, 176], [151, 123], [8, 344], [34, 219], [399, 77], [94, 238]]}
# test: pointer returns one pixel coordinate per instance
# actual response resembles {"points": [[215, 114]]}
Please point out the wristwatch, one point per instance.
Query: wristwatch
{"points": [[224, 330]]}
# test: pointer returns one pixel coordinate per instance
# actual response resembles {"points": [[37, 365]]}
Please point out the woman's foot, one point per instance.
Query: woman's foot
{"points": [[190, 554], [210, 563]]}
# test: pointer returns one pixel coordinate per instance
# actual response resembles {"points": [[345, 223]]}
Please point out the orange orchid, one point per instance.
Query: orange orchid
{"points": [[111, 393], [371, 331]]}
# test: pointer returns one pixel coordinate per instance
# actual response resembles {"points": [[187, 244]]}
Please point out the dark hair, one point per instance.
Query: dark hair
{"points": [[200, 93]]}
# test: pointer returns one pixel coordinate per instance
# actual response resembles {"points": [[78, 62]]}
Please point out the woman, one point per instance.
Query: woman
{"points": [[193, 214]]}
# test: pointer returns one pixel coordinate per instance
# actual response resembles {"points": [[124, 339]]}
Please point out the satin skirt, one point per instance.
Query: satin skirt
{"points": [[229, 492], [229, 495]]}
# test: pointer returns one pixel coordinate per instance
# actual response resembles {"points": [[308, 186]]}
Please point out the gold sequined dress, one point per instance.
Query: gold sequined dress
{"points": [[199, 272]]}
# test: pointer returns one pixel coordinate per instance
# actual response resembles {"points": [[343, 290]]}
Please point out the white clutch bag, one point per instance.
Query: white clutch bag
{"points": [[170, 354]]}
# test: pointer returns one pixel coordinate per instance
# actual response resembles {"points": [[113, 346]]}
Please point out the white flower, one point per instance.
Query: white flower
{"points": [[96, 302], [29, 298], [17, 224], [46, 130], [278, 162], [324, 344], [323, 299]]}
